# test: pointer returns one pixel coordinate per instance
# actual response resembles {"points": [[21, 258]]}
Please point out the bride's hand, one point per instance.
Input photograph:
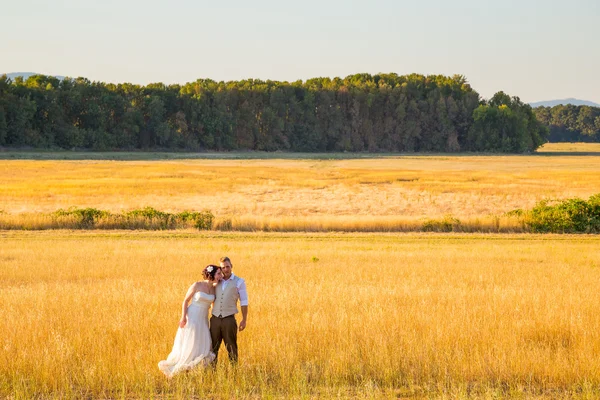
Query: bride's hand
{"points": [[182, 322]]}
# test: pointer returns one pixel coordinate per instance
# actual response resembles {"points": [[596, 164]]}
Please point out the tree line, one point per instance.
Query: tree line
{"points": [[570, 123], [362, 112]]}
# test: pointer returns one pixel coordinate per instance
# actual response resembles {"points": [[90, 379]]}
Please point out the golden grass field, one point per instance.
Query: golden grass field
{"points": [[282, 194], [89, 315]]}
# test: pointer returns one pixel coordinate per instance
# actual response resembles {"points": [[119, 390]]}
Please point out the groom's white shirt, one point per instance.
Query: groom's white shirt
{"points": [[241, 289]]}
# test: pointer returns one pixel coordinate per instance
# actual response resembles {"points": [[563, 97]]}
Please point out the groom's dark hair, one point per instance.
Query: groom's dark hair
{"points": [[223, 259]]}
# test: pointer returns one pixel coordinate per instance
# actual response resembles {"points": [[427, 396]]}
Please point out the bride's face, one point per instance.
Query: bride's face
{"points": [[218, 275]]}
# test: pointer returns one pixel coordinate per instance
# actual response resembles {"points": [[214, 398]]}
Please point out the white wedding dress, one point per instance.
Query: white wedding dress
{"points": [[192, 345]]}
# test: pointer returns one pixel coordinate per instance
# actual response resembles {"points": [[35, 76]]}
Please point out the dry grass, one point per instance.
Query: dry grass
{"points": [[489, 224], [573, 148], [389, 188], [89, 314]]}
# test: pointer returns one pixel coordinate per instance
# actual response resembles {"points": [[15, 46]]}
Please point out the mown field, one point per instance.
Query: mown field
{"points": [[89, 314]]}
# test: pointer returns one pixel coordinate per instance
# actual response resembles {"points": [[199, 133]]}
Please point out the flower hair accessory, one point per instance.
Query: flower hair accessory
{"points": [[209, 268]]}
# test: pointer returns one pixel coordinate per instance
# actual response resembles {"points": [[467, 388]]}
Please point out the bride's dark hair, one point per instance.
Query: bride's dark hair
{"points": [[210, 271]]}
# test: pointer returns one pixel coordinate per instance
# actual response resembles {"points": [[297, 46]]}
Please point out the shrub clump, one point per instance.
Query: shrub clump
{"points": [[446, 224], [155, 218], [203, 220], [567, 216], [84, 217], [145, 218]]}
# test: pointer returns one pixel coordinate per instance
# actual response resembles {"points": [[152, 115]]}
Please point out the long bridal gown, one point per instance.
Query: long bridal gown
{"points": [[192, 345]]}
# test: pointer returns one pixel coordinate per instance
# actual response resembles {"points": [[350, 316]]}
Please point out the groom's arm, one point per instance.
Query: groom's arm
{"points": [[244, 316], [243, 304]]}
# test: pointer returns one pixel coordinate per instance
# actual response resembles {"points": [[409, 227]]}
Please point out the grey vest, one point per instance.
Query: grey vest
{"points": [[226, 300]]}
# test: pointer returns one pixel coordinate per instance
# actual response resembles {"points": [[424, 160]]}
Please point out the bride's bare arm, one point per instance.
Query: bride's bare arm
{"points": [[188, 297]]}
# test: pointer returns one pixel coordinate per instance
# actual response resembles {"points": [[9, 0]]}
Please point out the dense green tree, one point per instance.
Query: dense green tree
{"points": [[570, 123], [505, 124], [361, 112], [3, 127]]}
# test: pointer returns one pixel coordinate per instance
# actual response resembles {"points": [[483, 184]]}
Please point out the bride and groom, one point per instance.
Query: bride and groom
{"points": [[196, 342]]}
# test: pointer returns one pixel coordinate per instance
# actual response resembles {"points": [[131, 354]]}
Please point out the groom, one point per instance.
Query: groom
{"points": [[223, 326]]}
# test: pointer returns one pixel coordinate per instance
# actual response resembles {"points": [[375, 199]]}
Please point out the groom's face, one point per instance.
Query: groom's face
{"points": [[226, 268]]}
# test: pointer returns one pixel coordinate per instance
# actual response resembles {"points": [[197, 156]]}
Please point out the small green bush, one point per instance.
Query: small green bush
{"points": [[567, 216], [154, 217], [145, 218], [202, 220], [86, 217], [149, 213], [446, 224]]}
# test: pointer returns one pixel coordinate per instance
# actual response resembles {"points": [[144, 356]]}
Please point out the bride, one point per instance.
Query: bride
{"points": [[192, 345]]}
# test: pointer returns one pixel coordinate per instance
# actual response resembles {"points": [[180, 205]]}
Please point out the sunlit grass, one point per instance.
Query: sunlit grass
{"points": [[332, 315], [386, 187], [360, 223], [88, 314], [582, 148]]}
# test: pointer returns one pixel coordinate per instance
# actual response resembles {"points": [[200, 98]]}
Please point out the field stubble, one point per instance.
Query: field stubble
{"points": [[332, 315]]}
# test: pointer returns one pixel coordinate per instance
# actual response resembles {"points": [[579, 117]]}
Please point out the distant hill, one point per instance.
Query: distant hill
{"points": [[575, 102], [26, 75]]}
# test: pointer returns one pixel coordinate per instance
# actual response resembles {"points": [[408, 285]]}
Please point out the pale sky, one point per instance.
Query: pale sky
{"points": [[537, 50]]}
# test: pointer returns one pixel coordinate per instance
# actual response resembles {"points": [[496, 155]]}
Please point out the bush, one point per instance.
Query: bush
{"points": [[145, 218], [149, 213], [446, 224], [202, 220], [85, 217], [160, 219], [567, 216]]}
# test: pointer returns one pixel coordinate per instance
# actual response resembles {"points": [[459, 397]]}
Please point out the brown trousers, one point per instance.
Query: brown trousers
{"points": [[224, 330]]}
